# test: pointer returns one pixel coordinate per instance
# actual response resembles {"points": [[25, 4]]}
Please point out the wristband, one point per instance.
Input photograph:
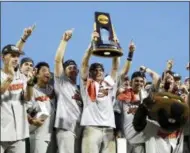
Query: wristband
{"points": [[30, 84], [129, 59], [130, 55], [23, 40]]}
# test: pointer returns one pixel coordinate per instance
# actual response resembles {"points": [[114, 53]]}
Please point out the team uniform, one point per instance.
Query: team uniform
{"points": [[68, 115], [41, 137], [98, 117], [152, 139], [14, 123], [127, 105]]}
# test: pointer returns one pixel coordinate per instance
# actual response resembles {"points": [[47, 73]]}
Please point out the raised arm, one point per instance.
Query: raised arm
{"points": [[27, 32], [86, 58], [156, 80], [115, 66], [29, 87], [127, 65], [85, 61], [59, 57]]}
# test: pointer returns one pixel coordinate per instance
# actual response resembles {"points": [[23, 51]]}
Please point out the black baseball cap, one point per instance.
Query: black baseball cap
{"points": [[138, 74], [177, 76], [26, 59], [69, 62], [93, 66], [10, 48]]}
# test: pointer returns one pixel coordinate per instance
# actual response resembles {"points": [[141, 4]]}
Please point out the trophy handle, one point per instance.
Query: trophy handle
{"points": [[95, 39], [115, 36]]}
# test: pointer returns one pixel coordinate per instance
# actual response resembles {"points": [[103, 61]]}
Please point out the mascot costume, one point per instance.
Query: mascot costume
{"points": [[169, 110]]}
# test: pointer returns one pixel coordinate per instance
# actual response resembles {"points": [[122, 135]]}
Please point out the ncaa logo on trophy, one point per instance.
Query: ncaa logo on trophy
{"points": [[105, 45]]}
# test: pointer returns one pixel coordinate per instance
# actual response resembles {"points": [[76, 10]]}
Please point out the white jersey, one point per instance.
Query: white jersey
{"points": [[14, 122], [44, 97], [68, 112], [127, 109], [99, 112]]}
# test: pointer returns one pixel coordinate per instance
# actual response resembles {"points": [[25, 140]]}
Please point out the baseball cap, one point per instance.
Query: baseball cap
{"points": [[10, 48], [138, 74], [26, 59], [176, 76], [69, 62], [93, 66]]}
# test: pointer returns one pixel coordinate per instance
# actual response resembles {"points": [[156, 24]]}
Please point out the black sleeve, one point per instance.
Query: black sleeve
{"points": [[139, 121], [118, 121]]}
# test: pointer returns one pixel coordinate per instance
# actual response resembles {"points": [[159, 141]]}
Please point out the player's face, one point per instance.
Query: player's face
{"points": [[71, 72], [137, 83], [97, 74], [12, 58], [44, 75], [26, 68]]}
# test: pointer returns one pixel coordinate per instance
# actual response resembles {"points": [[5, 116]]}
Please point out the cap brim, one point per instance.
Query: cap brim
{"points": [[13, 52]]}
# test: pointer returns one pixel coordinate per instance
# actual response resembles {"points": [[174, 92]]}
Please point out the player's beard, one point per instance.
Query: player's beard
{"points": [[73, 76]]}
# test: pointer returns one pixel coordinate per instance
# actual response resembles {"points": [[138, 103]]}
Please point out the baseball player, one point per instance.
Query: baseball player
{"points": [[69, 104], [44, 99], [15, 90], [98, 94], [129, 99]]}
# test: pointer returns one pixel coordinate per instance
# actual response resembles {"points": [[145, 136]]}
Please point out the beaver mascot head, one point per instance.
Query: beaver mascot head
{"points": [[169, 110]]}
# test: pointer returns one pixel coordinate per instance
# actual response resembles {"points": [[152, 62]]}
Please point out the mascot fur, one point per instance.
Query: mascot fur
{"points": [[169, 110]]}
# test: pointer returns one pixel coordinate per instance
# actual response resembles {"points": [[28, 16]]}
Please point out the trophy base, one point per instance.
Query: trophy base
{"points": [[107, 50]]}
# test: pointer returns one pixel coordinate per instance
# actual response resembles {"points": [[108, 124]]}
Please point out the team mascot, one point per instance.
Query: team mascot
{"points": [[169, 110]]}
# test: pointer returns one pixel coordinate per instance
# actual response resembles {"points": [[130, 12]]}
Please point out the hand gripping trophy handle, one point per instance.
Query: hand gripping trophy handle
{"points": [[95, 38], [115, 37]]}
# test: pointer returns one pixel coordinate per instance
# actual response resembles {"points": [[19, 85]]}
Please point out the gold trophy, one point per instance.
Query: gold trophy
{"points": [[105, 45]]}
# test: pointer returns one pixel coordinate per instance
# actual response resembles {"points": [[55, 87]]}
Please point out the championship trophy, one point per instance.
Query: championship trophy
{"points": [[105, 45]]}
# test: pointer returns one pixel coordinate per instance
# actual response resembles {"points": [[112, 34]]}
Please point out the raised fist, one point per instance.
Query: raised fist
{"points": [[67, 35], [170, 64], [132, 46], [142, 68]]}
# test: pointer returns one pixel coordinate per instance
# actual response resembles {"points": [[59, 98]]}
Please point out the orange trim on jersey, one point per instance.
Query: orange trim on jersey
{"points": [[91, 89], [42, 98], [127, 95], [16, 86]]}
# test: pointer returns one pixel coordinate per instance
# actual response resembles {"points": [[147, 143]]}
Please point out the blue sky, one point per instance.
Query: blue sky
{"points": [[160, 30]]}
